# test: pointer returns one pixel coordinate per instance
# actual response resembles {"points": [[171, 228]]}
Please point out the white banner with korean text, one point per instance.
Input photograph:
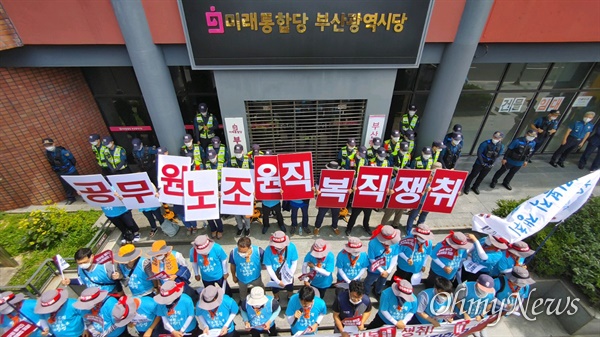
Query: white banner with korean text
{"points": [[201, 198], [170, 178], [136, 189], [534, 214], [94, 190], [237, 191]]}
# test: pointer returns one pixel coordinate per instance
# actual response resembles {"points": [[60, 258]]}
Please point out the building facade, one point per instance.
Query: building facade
{"points": [[123, 68]]}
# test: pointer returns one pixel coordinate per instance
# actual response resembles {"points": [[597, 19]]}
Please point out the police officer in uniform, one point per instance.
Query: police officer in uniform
{"points": [[437, 148], [451, 153], [255, 152], [575, 137], [361, 159], [410, 120], [205, 125], [115, 156], [98, 150], [145, 157], [223, 156], [593, 144], [487, 153], [239, 160], [381, 159], [346, 155], [545, 126], [194, 151], [402, 160], [516, 156], [409, 137], [375, 144], [457, 128], [424, 161], [392, 145], [63, 163]]}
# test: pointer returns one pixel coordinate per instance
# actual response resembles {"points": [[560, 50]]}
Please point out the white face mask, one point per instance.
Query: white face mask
{"points": [[239, 155], [426, 156], [355, 303], [214, 160], [85, 265], [381, 158], [587, 120], [50, 148], [455, 142], [396, 139], [411, 113], [350, 148], [189, 144], [420, 239], [529, 138], [495, 141], [160, 257], [375, 147], [111, 145], [552, 118], [242, 255], [96, 143]]}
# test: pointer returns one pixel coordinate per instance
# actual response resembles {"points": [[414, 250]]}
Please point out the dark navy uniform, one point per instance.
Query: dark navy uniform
{"points": [[346, 309], [145, 157], [63, 163], [487, 153], [518, 154], [593, 144], [578, 132]]}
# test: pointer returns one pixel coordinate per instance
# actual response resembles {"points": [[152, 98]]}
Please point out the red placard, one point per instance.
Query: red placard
{"points": [[378, 263], [160, 276], [445, 187], [21, 329], [334, 186], [352, 321], [372, 185], [408, 189], [296, 176], [266, 171], [104, 257]]}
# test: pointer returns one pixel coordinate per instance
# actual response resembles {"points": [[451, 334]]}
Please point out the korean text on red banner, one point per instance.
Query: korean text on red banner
{"points": [[372, 184], [296, 175], [266, 173], [333, 187], [408, 189], [445, 187]]}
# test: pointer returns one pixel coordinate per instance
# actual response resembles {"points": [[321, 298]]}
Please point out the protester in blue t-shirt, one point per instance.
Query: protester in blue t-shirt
{"points": [[414, 251], [473, 299], [397, 306], [305, 311], [514, 256], [176, 310], [97, 307], [216, 311], [484, 256], [209, 261], [383, 257], [24, 312], [245, 263], [435, 304], [512, 290], [93, 274], [352, 262], [447, 256], [281, 260], [318, 265], [58, 315], [146, 319]]}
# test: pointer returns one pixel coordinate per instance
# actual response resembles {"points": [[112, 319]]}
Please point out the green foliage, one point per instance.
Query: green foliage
{"points": [[572, 252], [505, 206]]}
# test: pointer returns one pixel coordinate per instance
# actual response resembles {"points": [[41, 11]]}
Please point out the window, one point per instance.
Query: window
{"points": [[484, 76], [524, 76], [470, 112], [567, 75]]}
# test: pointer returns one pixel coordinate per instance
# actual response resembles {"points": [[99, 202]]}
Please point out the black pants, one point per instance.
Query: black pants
{"points": [[335, 216], [512, 169], [204, 142], [478, 172], [272, 331], [430, 280], [288, 287], [124, 170], [106, 171], [355, 213], [69, 190], [468, 276], [589, 149], [563, 151], [403, 274], [539, 142], [266, 210], [154, 216], [125, 222], [376, 323]]}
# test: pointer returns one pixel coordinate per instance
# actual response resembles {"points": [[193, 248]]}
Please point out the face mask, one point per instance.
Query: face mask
{"points": [[214, 160], [189, 144], [50, 148], [204, 113], [441, 298], [239, 155], [529, 138], [587, 120], [111, 145], [242, 254], [396, 139], [495, 141], [455, 142], [381, 158], [350, 148], [411, 113], [96, 143], [420, 239], [375, 147], [160, 257], [552, 118], [426, 156], [355, 303], [85, 265]]}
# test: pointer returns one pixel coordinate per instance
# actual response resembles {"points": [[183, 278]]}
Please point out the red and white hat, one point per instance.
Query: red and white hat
{"points": [[319, 249], [458, 240], [387, 235], [423, 231], [520, 249], [496, 241], [279, 240], [202, 244], [354, 245], [403, 288]]}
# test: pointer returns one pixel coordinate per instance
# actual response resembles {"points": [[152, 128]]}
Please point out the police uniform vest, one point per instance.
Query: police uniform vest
{"points": [[380, 163], [547, 125], [220, 154], [196, 155], [245, 164], [114, 160], [262, 316], [346, 155], [138, 279], [218, 167], [99, 153], [522, 151], [144, 159], [436, 155], [58, 161], [419, 163], [450, 156], [473, 304], [205, 133], [411, 145], [491, 152], [389, 145], [403, 161], [409, 122], [371, 153], [438, 308], [349, 310]]}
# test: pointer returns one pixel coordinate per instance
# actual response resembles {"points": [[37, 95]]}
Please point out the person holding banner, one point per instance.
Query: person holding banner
{"points": [[97, 307], [400, 161], [281, 260], [414, 252], [447, 256], [239, 160], [93, 274], [515, 256], [194, 151], [122, 218], [360, 158], [216, 311], [134, 271], [305, 311], [375, 145], [63, 163], [484, 255], [176, 310], [346, 155], [16, 308], [259, 312], [474, 299], [517, 155], [145, 158], [301, 205], [511, 289], [209, 262], [168, 264], [383, 257], [58, 315], [417, 212], [146, 320], [487, 153], [352, 261], [318, 267], [397, 306], [245, 263], [435, 304], [322, 211], [214, 163], [351, 309]]}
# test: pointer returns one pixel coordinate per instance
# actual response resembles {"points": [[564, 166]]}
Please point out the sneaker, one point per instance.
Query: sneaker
{"points": [[317, 230], [152, 232], [239, 232], [553, 164], [493, 184], [475, 190], [580, 166], [136, 237], [335, 230], [306, 230], [292, 230], [123, 241], [247, 232]]}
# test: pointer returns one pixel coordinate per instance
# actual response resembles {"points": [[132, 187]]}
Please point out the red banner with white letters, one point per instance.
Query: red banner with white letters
{"points": [[444, 190], [333, 188], [372, 184], [21, 329], [266, 174], [296, 176], [408, 189]]}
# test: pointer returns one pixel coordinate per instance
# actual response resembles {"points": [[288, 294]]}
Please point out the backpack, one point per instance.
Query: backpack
{"points": [[169, 228]]}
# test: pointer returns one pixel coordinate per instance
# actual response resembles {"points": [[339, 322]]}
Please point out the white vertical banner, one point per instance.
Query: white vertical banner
{"points": [[94, 190], [236, 132], [375, 128], [136, 189], [170, 177], [201, 198], [237, 191]]}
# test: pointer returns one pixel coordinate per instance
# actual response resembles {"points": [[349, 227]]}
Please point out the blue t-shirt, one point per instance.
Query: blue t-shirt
{"points": [[180, 314], [343, 263], [270, 203], [579, 129], [377, 250], [328, 263], [138, 281], [113, 212], [504, 294], [213, 271], [454, 262], [27, 315], [390, 303], [272, 259], [318, 308], [218, 318], [246, 272], [415, 254], [105, 314], [505, 262], [69, 321], [146, 313], [492, 260], [98, 276]]}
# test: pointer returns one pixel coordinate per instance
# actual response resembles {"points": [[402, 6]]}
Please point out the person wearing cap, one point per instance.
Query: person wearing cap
{"points": [[281, 260], [318, 265], [238, 160], [545, 126], [63, 163], [449, 155], [511, 289], [98, 150], [517, 155], [359, 158], [176, 310], [574, 138], [305, 311], [447, 256], [381, 159], [209, 262], [457, 128], [352, 261], [515, 256], [474, 299], [424, 161], [487, 153], [216, 311], [15, 308], [486, 252], [409, 137], [351, 305], [435, 304], [322, 211], [223, 156], [410, 120], [115, 156], [593, 145], [402, 159], [254, 152], [194, 151], [418, 212], [123, 219], [245, 263], [397, 305], [205, 125], [371, 151], [346, 155], [436, 148], [162, 150], [414, 251], [58, 315], [134, 270], [145, 158], [97, 307], [93, 274], [392, 145], [165, 258], [383, 257], [259, 312], [146, 320]]}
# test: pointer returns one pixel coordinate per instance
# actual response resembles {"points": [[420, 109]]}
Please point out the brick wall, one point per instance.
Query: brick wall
{"points": [[8, 34], [36, 103]]}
